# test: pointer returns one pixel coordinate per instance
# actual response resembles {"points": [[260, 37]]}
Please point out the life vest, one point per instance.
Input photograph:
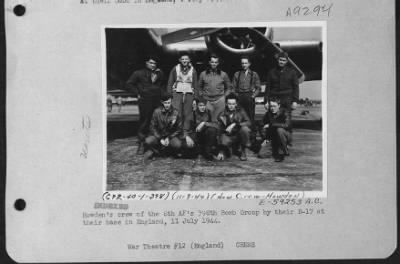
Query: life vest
{"points": [[184, 81]]}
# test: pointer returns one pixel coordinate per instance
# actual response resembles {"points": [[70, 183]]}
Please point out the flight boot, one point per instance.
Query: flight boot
{"points": [[140, 149], [243, 155]]}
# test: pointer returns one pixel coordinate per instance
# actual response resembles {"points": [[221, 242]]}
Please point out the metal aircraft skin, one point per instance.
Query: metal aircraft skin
{"points": [[127, 48]]}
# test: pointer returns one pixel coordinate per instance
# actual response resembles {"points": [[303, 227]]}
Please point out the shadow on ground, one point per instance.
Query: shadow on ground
{"points": [[301, 171]]}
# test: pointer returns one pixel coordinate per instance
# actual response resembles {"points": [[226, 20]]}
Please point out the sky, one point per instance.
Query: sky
{"points": [[297, 33], [311, 89]]}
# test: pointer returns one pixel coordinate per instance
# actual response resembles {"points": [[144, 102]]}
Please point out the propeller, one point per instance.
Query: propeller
{"points": [[262, 40]]}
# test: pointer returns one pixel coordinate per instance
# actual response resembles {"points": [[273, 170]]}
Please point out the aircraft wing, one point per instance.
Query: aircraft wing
{"points": [[186, 34], [261, 41]]}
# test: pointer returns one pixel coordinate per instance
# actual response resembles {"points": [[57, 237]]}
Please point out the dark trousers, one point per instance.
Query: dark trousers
{"points": [[153, 144], [280, 138], [286, 103], [237, 138], [247, 103], [205, 143], [147, 105]]}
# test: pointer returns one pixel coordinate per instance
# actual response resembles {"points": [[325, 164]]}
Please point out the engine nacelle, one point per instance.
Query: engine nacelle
{"points": [[238, 41]]}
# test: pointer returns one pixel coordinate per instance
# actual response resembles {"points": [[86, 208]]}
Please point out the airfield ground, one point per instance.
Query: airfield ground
{"points": [[301, 171]]}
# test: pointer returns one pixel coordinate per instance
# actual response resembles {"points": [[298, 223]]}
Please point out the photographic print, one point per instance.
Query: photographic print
{"points": [[210, 130], [227, 108]]}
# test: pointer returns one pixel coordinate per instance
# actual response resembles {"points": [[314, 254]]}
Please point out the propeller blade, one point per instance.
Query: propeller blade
{"points": [[269, 44], [186, 34]]}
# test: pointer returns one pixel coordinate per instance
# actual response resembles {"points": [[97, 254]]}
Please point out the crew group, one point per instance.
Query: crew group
{"points": [[222, 123]]}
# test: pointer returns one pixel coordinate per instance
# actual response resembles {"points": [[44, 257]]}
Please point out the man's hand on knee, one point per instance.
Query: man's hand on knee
{"points": [[230, 127], [165, 142], [220, 156], [189, 142]]}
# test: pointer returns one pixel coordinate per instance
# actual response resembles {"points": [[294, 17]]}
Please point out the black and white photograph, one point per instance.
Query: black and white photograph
{"points": [[227, 108], [199, 130]]}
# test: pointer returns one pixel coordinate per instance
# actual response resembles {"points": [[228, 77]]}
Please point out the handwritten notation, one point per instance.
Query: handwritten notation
{"points": [[316, 10], [86, 124]]}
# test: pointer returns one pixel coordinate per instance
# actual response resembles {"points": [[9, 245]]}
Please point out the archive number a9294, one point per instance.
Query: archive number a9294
{"points": [[317, 10]]}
